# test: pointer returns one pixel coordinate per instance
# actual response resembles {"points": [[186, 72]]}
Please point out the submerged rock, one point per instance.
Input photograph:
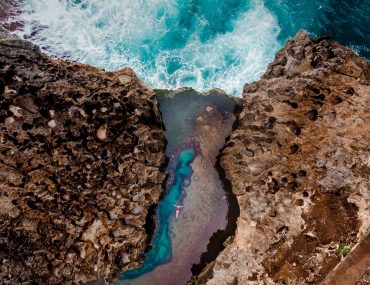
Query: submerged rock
{"points": [[69, 175], [299, 164]]}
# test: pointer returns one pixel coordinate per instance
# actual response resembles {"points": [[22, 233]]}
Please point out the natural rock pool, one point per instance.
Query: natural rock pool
{"points": [[196, 128]]}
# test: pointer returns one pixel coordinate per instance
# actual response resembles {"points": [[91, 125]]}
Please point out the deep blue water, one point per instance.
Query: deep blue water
{"points": [[347, 22], [198, 43]]}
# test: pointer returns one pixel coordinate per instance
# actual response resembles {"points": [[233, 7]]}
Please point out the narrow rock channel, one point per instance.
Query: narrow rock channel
{"points": [[196, 127]]}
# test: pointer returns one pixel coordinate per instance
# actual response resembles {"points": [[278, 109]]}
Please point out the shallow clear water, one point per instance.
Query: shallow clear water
{"points": [[196, 127], [161, 251], [198, 43]]}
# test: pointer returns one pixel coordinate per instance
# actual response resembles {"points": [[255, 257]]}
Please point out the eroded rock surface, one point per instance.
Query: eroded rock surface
{"points": [[299, 163], [81, 161]]}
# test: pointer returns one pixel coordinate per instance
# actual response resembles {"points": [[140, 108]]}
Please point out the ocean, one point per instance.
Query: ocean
{"points": [[202, 44]]}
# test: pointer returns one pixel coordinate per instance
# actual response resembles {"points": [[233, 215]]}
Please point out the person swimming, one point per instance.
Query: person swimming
{"points": [[178, 209]]}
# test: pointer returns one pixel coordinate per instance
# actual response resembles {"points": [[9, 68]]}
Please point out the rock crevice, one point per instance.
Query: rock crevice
{"points": [[82, 160]]}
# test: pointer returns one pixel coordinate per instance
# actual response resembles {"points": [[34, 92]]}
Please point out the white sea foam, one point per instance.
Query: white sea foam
{"points": [[117, 33]]}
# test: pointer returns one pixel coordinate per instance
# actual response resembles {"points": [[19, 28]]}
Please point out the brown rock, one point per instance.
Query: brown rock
{"points": [[77, 143], [312, 173]]}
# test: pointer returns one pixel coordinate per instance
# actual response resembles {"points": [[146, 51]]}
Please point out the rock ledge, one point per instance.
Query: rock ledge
{"points": [[299, 163], [81, 161]]}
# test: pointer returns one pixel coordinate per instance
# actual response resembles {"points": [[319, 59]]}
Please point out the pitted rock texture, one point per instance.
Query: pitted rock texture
{"points": [[299, 163], [81, 161]]}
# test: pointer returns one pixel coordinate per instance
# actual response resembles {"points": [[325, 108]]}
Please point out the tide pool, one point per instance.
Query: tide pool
{"points": [[202, 44], [161, 250], [196, 128]]}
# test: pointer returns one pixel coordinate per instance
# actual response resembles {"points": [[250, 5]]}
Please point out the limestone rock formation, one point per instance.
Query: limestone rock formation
{"points": [[81, 161], [299, 163]]}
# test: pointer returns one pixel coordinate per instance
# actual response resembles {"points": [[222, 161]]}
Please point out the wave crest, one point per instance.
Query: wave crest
{"points": [[170, 44]]}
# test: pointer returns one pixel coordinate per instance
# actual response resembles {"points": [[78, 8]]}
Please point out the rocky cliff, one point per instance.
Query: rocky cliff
{"points": [[81, 161], [82, 157], [299, 164]]}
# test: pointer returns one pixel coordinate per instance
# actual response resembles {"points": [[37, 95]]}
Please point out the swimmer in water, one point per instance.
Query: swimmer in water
{"points": [[178, 209]]}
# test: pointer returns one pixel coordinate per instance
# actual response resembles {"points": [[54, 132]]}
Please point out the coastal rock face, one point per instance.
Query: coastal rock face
{"points": [[299, 163], [81, 161]]}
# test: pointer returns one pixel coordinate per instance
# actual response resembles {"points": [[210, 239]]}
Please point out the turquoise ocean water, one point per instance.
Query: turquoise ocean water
{"points": [[197, 43]]}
